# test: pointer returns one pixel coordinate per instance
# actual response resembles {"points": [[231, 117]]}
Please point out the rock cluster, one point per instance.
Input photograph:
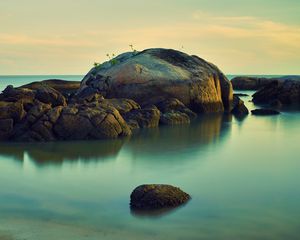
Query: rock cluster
{"points": [[279, 93], [256, 83], [136, 90], [155, 75], [45, 114]]}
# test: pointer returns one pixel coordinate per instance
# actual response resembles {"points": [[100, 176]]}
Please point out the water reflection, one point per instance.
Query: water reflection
{"points": [[174, 140], [157, 213], [202, 132], [58, 152]]}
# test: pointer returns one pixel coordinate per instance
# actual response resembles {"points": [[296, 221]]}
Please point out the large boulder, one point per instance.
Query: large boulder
{"points": [[159, 74], [157, 196]]}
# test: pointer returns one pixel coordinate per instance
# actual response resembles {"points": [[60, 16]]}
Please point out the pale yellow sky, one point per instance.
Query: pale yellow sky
{"points": [[68, 36]]}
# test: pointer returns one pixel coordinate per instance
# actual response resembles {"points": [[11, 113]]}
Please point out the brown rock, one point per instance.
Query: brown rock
{"points": [[13, 110], [159, 74], [147, 117], [6, 128], [156, 196]]}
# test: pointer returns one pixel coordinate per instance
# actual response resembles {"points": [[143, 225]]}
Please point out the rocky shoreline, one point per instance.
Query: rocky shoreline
{"points": [[137, 90], [273, 92]]}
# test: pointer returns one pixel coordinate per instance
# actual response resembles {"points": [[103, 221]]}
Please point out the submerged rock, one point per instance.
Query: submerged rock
{"points": [[264, 112], [160, 74], [157, 196]]}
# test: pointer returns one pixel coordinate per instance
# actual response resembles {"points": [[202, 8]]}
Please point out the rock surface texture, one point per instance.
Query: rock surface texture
{"points": [[155, 75], [134, 90], [156, 196]]}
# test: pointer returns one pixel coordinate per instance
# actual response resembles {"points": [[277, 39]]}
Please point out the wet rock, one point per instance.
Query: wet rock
{"points": [[174, 118], [147, 117], [239, 107], [157, 196], [174, 112], [241, 94], [286, 92], [264, 112]]}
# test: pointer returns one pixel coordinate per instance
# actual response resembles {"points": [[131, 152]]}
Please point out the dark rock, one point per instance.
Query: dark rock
{"points": [[90, 122], [51, 96], [11, 94], [264, 112], [276, 103], [286, 92], [122, 105], [86, 96], [241, 94], [13, 110], [160, 74], [6, 128], [250, 83], [157, 196], [239, 107], [174, 112], [174, 118], [147, 117]]}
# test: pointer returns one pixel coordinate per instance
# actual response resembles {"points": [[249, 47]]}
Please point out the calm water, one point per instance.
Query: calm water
{"points": [[243, 176]]}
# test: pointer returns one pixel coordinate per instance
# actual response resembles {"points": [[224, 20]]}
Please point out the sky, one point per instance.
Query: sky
{"points": [[68, 36]]}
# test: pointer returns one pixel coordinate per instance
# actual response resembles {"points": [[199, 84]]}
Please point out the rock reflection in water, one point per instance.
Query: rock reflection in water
{"points": [[200, 133], [157, 213], [203, 131], [58, 152]]}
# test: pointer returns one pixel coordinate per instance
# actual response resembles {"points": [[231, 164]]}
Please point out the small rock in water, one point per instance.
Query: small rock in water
{"points": [[241, 94], [264, 112], [157, 196]]}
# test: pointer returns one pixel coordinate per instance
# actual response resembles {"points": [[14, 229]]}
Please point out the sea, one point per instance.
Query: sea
{"points": [[242, 174]]}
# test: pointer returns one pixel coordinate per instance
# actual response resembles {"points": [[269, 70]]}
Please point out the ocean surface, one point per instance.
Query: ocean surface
{"points": [[242, 174]]}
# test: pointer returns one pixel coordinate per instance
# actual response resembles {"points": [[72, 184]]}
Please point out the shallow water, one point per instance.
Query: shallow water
{"points": [[243, 176]]}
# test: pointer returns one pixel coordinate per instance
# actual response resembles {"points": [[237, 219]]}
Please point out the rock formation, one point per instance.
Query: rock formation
{"points": [[279, 93], [156, 196], [256, 83], [134, 90], [155, 75]]}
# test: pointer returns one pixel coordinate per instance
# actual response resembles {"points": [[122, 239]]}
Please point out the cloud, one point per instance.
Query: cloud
{"points": [[62, 41], [229, 41]]}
